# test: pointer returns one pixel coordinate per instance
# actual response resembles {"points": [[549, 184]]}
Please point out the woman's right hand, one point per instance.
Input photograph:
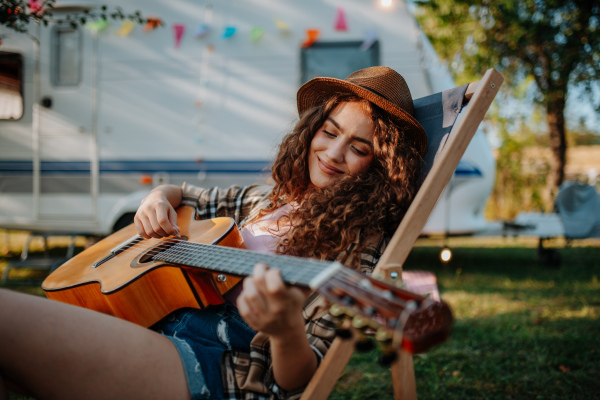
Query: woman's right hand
{"points": [[156, 216]]}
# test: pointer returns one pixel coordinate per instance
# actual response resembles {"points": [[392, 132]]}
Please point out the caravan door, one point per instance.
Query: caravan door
{"points": [[67, 166]]}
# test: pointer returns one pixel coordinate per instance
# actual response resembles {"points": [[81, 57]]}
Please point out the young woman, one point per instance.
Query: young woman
{"points": [[343, 179]]}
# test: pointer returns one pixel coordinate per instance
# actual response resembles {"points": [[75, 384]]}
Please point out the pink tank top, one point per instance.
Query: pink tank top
{"points": [[264, 235]]}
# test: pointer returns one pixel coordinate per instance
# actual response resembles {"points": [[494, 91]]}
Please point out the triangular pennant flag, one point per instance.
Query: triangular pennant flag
{"points": [[256, 33], [284, 28], [311, 36], [126, 28], [97, 26], [152, 23], [228, 32], [202, 30], [178, 30], [340, 20], [369, 39], [35, 6]]}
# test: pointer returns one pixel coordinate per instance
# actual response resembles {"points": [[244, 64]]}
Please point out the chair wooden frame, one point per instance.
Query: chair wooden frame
{"points": [[479, 96]]}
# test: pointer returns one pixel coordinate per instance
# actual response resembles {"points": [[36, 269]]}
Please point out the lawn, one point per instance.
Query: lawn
{"points": [[523, 330]]}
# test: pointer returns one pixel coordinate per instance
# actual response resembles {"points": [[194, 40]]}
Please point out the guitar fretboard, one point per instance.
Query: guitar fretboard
{"points": [[233, 261]]}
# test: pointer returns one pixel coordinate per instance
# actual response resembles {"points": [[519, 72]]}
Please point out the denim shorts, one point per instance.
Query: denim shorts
{"points": [[201, 337]]}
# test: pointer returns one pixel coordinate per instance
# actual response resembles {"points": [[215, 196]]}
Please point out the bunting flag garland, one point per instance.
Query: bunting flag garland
{"points": [[340, 20], [97, 26], [126, 28], [178, 30], [311, 36], [284, 28], [368, 40], [202, 30], [256, 33], [152, 23], [228, 32]]}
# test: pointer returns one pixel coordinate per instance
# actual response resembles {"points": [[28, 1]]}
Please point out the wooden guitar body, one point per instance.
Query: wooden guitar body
{"points": [[136, 288]]}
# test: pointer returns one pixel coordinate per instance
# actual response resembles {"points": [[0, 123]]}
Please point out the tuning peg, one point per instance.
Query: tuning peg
{"points": [[336, 310], [359, 322], [364, 345], [382, 336], [343, 333], [388, 357], [342, 329]]}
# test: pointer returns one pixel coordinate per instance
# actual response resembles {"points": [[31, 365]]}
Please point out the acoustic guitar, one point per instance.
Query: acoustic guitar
{"points": [[143, 280]]}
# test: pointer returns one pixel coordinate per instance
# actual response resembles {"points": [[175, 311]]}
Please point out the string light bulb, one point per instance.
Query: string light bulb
{"points": [[386, 3], [483, 15], [446, 255]]}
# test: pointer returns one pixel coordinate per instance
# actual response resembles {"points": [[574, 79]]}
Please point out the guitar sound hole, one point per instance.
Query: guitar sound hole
{"points": [[148, 255]]}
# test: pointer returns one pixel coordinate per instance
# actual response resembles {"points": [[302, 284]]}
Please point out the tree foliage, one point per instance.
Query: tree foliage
{"points": [[19, 14], [521, 169], [554, 43]]}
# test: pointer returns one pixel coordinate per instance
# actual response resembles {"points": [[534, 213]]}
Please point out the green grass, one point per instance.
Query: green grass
{"points": [[522, 330]]}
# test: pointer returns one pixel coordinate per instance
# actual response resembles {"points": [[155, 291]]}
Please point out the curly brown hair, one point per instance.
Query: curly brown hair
{"points": [[370, 203]]}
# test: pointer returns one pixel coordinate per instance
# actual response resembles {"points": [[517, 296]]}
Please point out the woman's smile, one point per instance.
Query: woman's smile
{"points": [[329, 169]]}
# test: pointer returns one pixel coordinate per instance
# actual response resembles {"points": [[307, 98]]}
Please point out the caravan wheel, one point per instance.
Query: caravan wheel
{"points": [[123, 221]]}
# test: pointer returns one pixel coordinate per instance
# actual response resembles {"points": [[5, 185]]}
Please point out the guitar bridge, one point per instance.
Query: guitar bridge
{"points": [[119, 249]]}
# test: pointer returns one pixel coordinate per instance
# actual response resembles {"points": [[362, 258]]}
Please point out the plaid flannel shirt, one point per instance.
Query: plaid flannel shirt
{"points": [[249, 376]]}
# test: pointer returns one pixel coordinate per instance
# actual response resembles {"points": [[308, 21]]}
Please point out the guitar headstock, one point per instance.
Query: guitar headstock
{"points": [[403, 319]]}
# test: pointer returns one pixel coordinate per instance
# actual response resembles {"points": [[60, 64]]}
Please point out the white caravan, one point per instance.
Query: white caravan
{"points": [[92, 118]]}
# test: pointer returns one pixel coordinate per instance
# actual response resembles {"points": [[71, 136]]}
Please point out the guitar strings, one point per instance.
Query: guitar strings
{"points": [[309, 267], [288, 265], [296, 268]]}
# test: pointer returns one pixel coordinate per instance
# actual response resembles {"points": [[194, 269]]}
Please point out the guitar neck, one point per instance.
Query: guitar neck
{"points": [[233, 261]]}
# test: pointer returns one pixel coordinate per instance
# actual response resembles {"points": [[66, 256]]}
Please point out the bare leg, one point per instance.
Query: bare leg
{"points": [[58, 351]]}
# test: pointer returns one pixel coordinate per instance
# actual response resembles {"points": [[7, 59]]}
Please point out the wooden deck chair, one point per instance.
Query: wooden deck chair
{"points": [[447, 143]]}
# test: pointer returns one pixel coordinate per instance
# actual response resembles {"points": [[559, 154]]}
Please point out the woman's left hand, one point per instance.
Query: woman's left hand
{"points": [[268, 305]]}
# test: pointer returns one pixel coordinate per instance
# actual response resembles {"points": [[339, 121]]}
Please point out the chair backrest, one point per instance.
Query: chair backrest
{"points": [[437, 114], [447, 141], [448, 138]]}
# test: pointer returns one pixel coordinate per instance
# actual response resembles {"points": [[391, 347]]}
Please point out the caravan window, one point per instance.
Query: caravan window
{"points": [[11, 85], [336, 59], [66, 56]]}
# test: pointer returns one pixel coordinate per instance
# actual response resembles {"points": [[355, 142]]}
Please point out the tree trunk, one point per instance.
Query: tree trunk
{"points": [[558, 143]]}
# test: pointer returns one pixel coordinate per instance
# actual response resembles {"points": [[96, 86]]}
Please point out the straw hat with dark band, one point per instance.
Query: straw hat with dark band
{"points": [[380, 85]]}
